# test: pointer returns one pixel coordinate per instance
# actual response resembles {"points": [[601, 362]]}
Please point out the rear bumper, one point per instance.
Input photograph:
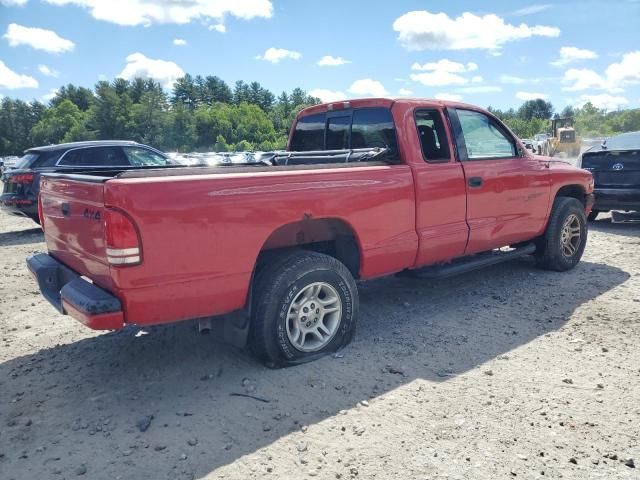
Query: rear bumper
{"points": [[21, 206], [617, 199], [72, 295]]}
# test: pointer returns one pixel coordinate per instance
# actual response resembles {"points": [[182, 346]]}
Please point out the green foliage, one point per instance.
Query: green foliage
{"points": [[200, 114], [204, 113], [64, 122], [534, 117]]}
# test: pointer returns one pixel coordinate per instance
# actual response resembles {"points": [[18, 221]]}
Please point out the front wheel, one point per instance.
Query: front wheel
{"points": [[305, 306], [563, 243]]}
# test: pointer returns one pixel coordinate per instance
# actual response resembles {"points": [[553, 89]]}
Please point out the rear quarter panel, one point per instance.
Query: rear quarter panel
{"points": [[201, 235]]}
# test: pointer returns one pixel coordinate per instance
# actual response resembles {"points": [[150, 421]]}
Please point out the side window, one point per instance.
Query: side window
{"points": [[338, 133], [309, 133], [95, 157], [72, 158], [433, 136], [373, 127], [483, 138], [143, 157]]}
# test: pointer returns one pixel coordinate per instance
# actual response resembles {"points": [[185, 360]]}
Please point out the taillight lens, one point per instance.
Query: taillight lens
{"points": [[40, 211], [22, 178], [122, 240]]}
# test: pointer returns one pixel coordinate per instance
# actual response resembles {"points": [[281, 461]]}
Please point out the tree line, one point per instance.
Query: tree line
{"points": [[205, 114], [534, 116], [199, 114]]}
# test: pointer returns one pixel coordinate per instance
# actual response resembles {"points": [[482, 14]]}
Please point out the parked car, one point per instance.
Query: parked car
{"points": [[539, 142], [21, 183], [368, 188], [528, 144], [7, 163], [615, 165]]}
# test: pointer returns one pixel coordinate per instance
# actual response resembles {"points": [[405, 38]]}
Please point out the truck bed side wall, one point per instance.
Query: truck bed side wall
{"points": [[201, 236]]}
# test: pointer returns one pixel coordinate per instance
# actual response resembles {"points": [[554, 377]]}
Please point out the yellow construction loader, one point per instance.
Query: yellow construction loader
{"points": [[564, 140]]}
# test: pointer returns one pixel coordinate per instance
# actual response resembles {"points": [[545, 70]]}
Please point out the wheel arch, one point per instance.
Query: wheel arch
{"points": [[576, 191], [329, 235]]}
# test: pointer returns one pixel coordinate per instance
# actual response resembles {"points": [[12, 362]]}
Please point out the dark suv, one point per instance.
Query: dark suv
{"points": [[615, 166], [22, 183]]}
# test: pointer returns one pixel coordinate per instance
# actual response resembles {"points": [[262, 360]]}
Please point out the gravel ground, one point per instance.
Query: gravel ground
{"points": [[509, 372]]}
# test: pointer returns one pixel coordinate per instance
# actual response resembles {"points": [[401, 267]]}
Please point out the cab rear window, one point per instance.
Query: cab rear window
{"points": [[309, 133], [359, 128]]}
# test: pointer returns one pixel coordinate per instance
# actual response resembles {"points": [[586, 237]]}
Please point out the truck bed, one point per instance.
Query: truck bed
{"points": [[201, 229]]}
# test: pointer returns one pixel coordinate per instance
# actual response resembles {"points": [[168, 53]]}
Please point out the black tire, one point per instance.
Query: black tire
{"points": [[278, 285], [550, 253], [593, 215]]}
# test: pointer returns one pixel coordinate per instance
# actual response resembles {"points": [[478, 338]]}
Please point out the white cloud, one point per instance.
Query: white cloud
{"points": [[443, 72], [451, 97], [477, 79], [218, 27], [438, 78], [276, 55], [573, 54], [583, 79], [37, 38], [145, 12], [446, 65], [47, 72], [531, 9], [50, 96], [615, 78], [531, 96], [329, 61], [328, 95], [140, 66], [12, 80], [422, 30], [180, 42], [627, 72], [405, 92], [14, 3], [604, 100], [480, 89], [368, 87]]}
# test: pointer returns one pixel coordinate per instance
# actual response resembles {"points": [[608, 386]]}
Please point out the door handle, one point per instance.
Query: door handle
{"points": [[475, 182]]}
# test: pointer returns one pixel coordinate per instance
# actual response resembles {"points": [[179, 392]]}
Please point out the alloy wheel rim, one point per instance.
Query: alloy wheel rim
{"points": [[314, 317], [571, 235]]}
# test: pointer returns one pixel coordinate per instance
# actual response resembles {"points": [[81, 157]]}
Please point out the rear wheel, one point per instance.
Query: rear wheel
{"points": [[563, 243], [305, 306]]}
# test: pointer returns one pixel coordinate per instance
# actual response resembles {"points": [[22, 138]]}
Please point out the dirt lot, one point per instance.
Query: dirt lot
{"points": [[509, 372]]}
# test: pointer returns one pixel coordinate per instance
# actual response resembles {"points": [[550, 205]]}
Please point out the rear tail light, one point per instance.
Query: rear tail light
{"points": [[40, 211], [122, 239], [22, 178]]}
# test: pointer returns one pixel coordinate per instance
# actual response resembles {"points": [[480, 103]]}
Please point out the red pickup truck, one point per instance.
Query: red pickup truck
{"points": [[273, 249]]}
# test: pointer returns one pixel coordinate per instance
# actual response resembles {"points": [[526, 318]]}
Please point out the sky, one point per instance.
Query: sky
{"points": [[494, 52]]}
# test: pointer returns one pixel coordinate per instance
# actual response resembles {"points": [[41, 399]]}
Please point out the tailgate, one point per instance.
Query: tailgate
{"points": [[73, 213]]}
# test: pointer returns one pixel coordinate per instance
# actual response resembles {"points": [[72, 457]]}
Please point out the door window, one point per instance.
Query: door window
{"points": [[484, 139], [143, 157], [95, 157], [433, 138]]}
